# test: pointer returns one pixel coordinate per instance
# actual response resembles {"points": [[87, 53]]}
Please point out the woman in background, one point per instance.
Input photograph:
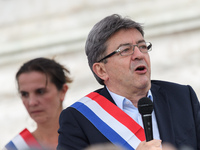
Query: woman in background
{"points": [[42, 84]]}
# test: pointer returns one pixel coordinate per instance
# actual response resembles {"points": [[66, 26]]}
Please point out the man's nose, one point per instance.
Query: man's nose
{"points": [[137, 53]]}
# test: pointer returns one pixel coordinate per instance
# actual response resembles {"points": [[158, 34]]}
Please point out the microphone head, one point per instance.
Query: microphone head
{"points": [[145, 106]]}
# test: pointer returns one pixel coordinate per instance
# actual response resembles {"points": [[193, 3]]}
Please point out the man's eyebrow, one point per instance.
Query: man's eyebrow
{"points": [[140, 41], [124, 44]]}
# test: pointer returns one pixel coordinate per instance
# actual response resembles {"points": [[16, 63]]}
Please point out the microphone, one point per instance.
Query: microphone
{"points": [[145, 107]]}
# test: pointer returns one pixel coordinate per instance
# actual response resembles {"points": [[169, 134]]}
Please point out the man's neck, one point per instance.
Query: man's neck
{"points": [[134, 97]]}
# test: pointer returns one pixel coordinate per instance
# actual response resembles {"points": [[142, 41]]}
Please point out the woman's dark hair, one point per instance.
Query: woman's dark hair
{"points": [[57, 73]]}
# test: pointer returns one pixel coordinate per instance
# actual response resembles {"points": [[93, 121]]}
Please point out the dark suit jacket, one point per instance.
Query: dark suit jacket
{"points": [[177, 112]]}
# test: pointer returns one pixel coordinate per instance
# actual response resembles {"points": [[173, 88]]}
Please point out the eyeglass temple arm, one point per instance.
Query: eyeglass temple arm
{"points": [[108, 56]]}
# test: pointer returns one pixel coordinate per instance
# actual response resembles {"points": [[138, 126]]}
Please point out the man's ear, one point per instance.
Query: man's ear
{"points": [[100, 70]]}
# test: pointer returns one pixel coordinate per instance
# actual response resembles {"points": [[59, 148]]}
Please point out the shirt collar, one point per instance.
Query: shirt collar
{"points": [[120, 99], [117, 98]]}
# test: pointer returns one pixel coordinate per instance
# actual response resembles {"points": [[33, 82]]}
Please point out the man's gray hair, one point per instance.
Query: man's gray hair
{"points": [[96, 43]]}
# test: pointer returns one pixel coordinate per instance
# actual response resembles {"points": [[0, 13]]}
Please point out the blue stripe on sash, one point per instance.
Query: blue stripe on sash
{"points": [[106, 130], [11, 146]]}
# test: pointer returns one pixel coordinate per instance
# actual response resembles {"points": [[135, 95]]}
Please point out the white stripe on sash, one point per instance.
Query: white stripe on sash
{"points": [[19, 142], [117, 126]]}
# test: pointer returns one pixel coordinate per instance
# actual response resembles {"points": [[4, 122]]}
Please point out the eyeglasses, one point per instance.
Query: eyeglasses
{"points": [[128, 49]]}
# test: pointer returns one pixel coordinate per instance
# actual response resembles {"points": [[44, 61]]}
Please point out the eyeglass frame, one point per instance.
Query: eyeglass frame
{"points": [[149, 48]]}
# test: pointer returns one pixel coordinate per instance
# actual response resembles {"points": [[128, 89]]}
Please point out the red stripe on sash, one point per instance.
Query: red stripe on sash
{"points": [[119, 115], [29, 139]]}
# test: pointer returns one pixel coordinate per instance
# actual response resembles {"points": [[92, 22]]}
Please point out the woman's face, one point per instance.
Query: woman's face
{"points": [[40, 96]]}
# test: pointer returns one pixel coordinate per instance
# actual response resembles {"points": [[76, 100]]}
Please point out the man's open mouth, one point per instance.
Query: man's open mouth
{"points": [[140, 68]]}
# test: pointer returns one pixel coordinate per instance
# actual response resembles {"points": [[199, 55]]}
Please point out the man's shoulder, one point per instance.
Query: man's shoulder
{"points": [[166, 83], [168, 86]]}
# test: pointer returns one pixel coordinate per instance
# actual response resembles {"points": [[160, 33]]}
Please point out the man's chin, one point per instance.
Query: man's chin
{"points": [[146, 84]]}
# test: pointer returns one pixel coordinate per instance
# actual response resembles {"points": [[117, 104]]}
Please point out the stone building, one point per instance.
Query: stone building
{"points": [[50, 28]]}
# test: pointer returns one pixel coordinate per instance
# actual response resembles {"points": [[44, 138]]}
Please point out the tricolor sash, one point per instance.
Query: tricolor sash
{"points": [[110, 120], [23, 141]]}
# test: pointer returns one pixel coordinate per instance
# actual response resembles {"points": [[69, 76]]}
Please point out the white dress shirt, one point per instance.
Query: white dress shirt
{"points": [[127, 106]]}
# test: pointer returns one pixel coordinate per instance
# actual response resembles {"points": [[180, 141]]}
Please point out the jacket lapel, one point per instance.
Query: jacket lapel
{"points": [[163, 114]]}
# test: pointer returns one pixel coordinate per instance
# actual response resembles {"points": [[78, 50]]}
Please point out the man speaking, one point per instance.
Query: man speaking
{"points": [[118, 56]]}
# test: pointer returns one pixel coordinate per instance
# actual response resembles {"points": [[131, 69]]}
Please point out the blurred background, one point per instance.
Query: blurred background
{"points": [[59, 28]]}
